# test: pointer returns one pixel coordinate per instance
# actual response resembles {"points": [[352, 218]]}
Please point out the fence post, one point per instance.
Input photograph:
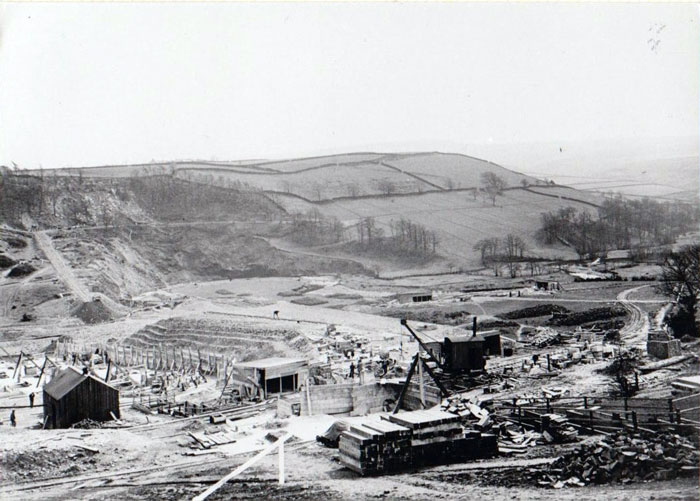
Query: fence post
{"points": [[670, 410], [585, 402], [634, 420]]}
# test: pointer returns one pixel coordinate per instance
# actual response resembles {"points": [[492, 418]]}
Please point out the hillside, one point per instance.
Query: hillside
{"points": [[126, 229]]}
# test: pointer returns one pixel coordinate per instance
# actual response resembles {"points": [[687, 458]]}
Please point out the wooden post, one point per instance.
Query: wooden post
{"points": [[670, 410], [281, 462], [19, 359], [42, 372], [420, 379], [308, 397], [585, 402]]}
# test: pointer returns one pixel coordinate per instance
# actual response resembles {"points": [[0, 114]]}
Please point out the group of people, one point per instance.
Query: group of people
{"points": [[13, 414]]}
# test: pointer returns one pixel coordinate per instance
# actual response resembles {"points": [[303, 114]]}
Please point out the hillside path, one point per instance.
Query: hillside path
{"points": [[63, 270]]}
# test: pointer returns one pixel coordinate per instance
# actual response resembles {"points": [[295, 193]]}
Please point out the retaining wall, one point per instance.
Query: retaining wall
{"points": [[348, 399]]}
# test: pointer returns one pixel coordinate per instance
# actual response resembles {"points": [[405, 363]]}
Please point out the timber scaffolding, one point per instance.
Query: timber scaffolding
{"points": [[153, 358], [605, 415]]}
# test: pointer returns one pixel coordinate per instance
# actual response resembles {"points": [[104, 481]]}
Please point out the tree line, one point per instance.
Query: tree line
{"points": [[509, 251], [312, 228], [618, 224], [406, 238]]}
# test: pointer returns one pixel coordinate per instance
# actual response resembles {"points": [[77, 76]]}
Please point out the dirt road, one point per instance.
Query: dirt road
{"points": [[64, 271], [635, 332]]}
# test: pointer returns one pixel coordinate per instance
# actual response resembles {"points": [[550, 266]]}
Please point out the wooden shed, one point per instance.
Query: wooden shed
{"points": [[72, 396], [464, 353], [271, 375]]}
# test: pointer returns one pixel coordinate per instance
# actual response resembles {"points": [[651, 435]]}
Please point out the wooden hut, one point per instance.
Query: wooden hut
{"points": [[72, 396], [270, 375], [464, 353]]}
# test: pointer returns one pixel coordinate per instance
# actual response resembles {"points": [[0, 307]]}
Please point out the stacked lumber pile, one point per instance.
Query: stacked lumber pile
{"points": [[411, 439], [374, 448], [513, 441], [207, 440], [556, 428], [624, 458]]}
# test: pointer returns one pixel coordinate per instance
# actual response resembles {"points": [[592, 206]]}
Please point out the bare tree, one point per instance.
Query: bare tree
{"points": [[493, 185], [386, 186], [680, 280], [353, 189]]}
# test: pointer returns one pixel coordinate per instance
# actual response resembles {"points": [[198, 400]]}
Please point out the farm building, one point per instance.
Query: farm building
{"points": [[414, 297], [72, 396], [271, 375]]}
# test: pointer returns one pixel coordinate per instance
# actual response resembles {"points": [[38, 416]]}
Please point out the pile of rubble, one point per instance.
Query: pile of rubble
{"points": [[87, 424], [623, 458], [470, 412]]}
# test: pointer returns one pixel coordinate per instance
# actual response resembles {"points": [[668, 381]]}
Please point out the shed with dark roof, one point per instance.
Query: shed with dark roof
{"points": [[71, 396], [464, 353]]}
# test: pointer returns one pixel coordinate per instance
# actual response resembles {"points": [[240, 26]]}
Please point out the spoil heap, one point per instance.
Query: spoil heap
{"points": [[622, 458]]}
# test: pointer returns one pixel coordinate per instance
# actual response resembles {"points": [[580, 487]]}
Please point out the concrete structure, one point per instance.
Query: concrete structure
{"points": [[414, 297], [661, 345], [270, 376], [347, 399], [71, 396]]}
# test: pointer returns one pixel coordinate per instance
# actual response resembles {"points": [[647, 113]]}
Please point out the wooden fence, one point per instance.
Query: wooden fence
{"points": [[595, 414]]}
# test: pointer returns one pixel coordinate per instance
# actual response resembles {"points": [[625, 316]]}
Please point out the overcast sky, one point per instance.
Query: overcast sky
{"points": [[90, 84]]}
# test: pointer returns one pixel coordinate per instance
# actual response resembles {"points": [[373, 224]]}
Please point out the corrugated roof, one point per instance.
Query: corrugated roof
{"points": [[64, 382]]}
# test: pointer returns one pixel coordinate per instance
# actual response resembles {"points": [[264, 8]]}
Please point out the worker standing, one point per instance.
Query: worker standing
{"points": [[359, 371], [352, 370], [31, 400], [13, 418]]}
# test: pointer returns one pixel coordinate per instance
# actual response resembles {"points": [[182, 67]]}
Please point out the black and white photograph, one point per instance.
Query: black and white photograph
{"points": [[351, 250]]}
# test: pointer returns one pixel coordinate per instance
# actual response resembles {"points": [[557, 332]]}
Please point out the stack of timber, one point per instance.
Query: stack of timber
{"points": [[375, 448], [556, 428], [411, 439], [437, 437]]}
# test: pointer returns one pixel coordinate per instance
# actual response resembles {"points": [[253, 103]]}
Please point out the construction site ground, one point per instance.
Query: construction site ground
{"points": [[143, 455]]}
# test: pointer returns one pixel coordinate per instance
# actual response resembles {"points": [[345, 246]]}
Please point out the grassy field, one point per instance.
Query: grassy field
{"points": [[458, 219]]}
